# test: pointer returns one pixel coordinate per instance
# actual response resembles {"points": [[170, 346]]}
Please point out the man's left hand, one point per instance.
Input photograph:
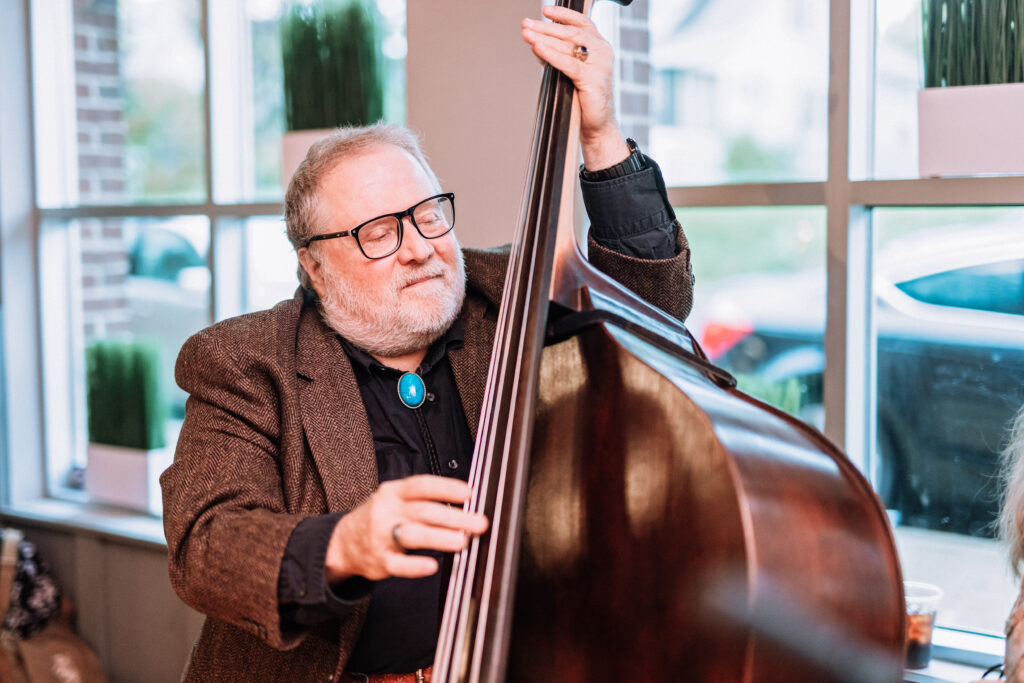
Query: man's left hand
{"points": [[554, 42]]}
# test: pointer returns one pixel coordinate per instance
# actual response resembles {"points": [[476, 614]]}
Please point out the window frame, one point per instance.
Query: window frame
{"points": [[30, 424]]}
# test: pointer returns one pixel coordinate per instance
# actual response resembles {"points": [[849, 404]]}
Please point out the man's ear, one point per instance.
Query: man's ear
{"points": [[312, 268]]}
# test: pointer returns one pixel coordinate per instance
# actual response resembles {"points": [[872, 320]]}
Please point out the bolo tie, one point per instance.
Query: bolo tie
{"points": [[411, 391]]}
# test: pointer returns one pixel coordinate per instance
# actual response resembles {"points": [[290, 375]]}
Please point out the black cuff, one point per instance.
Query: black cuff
{"points": [[631, 214], [633, 163], [304, 596]]}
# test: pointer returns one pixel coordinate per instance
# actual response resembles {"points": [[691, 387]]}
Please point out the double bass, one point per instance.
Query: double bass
{"points": [[649, 521]]}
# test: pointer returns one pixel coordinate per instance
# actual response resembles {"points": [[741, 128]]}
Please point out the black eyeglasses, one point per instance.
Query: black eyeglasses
{"points": [[382, 236]]}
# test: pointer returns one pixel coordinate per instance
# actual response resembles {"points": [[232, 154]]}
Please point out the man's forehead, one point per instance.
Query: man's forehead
{"points": [[374, 181], [390, 157]]}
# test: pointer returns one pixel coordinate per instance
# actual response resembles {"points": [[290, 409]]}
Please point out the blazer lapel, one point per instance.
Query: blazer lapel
{"points": [[469, 364], [333, 416]]}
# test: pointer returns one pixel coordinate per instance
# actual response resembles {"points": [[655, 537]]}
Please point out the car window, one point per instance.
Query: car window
{"points": [[996, 287], [160, 253]]}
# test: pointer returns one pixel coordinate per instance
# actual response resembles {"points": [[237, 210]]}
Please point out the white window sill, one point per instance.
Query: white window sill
{"points": [[943, 672], [958, 656], [100, 520]]}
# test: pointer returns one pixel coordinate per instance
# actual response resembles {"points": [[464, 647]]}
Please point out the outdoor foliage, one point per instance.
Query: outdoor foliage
{"points": [[787, 395], [748, 159], [125, 402], [163, 151], [332, 66], [973, 42]]}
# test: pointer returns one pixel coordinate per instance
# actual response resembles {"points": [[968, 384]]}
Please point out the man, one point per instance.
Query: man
{"points": [[319, 476]]}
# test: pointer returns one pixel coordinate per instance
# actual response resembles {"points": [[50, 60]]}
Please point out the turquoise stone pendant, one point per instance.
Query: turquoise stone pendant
{"points": [[411, 390]]}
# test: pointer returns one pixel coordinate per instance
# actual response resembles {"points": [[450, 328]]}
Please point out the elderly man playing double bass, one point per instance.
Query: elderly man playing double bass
{"points": [[315, 498]]}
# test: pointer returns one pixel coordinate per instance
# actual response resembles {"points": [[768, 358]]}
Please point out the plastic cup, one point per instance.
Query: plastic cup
{"points": [[922, 601]]}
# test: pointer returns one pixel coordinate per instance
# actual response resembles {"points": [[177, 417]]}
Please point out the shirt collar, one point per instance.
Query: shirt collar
{"points": [[365, 364]]}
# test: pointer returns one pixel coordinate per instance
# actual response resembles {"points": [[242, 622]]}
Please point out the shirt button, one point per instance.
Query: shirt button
{"points": [[430, 396], [453, 464]]}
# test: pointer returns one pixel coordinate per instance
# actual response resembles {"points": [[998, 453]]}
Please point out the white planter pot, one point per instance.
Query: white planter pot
{"points": [[971, 130], [294, 145], [128, 477]]}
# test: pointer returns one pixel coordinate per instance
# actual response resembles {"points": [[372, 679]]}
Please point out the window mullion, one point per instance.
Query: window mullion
{"points": [[837, 202], [860, 347]]}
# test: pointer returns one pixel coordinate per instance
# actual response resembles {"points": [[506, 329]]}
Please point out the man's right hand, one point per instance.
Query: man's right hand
{"points": [[363, 541]]}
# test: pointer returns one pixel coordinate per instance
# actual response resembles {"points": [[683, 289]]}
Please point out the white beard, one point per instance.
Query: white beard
{"points": [[389, 322]]}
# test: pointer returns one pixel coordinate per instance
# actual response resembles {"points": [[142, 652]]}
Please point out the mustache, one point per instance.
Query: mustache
{"points": [[436, 269]]}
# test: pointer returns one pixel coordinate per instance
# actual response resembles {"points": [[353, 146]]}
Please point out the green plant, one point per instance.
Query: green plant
{"points": [[124, 398], [973, 42], [332, 69], [786, 395], [747, 158]]}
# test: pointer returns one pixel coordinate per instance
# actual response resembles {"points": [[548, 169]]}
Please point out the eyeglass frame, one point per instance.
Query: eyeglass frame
{"points": [[401, 216]]}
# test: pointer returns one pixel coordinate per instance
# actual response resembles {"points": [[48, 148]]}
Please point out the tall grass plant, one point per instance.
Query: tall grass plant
{"points": [[973, 42], [124, 396], [332, 65]]}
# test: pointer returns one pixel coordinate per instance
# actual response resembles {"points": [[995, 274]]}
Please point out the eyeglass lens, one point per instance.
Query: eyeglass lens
{"points": [[382, 237]]}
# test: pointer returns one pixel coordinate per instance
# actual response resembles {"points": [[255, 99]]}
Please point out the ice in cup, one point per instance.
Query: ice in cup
{"points": [[922, 603]]}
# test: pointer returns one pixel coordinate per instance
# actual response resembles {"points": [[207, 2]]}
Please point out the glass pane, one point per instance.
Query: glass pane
{"points": [[248, 101], [897, 79], [900, 72], [734, 101], [168, 289], [270, 263], [948, 292], [126, 294], [249, 113], [139, 96], [268, 101], [759, 308]]}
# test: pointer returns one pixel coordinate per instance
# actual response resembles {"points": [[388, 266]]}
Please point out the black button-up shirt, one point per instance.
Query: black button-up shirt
{"points": [[630, 214], [404, 617]]}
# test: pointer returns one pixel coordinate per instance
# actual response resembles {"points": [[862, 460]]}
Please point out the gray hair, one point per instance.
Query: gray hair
{"points": [[1011, 518], [301, 201]]}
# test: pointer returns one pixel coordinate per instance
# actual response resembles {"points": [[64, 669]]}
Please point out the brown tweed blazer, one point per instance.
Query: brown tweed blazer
{"points": [[275, 432]]}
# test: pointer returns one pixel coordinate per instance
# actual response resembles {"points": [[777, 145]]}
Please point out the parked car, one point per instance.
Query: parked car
{"points": [[950, 360]]}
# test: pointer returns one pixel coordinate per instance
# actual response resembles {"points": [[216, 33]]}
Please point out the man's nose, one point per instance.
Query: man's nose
{"points": [[414, 247]]}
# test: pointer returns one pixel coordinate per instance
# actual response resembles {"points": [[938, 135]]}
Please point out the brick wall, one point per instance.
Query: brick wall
{"points": [[101, 165], [634, 64]]}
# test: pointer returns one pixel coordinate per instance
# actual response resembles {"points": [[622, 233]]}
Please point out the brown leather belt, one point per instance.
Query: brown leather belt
{"points": [[418, 676]]}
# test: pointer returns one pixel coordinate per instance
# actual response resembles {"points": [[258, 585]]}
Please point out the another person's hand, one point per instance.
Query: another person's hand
{"points": [[401, 515], [556, 42]]}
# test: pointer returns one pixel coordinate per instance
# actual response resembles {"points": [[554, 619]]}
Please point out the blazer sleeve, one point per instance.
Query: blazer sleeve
{"points": [[666, 283], [224, 512], [635, 238]]}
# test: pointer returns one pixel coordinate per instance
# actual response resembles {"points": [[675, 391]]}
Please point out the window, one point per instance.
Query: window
{"points": [[740, 103], [761, 309], [898, 75], [160, 196], [129, 78], [950, 377], [924, 277]]}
